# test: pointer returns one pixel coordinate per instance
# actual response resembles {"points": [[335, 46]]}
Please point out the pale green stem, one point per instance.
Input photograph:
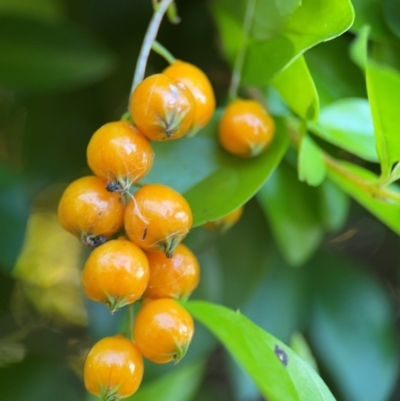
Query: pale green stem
{"points": [[158, 48], [241, 53], [150, 36]]}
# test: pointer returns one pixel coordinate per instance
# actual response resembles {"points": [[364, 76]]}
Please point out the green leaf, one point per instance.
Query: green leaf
{"points": [[299, 345], [348, 124], [383, 85], [354, 333], [392, 15], [213, 181], [178, 385], [279, 33], [386, 211], [14, 213], [311, 164], [296, 78], [370, 12], [334, 206], [38, 56], [290, 208], [48, 10], [359, 47], [259, 353]]}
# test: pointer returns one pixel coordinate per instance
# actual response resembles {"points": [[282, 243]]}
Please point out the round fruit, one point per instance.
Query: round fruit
{"points": [[113, 368], [245, 129], [162, 108], [119, 153], [163, 330], [175, 277], [226, 222], [157, 218], [201, 88], [89, 211], [116, 274]]}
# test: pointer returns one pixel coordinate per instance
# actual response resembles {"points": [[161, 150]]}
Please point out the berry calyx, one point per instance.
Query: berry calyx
{"points": [[245, 129], [162, 108], [120, 154], [87, 210], [116, 274], [163, 330], [157, 218], [113, 368]]}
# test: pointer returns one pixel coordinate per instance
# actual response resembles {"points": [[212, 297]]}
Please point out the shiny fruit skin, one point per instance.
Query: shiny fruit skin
{"points": [[116, 274], [113, 368], [157, 218], [226, 222], [175, 277], [87, 210], [245, 129], [198, 83], [120, 154], [163, 330], [162, 108]]}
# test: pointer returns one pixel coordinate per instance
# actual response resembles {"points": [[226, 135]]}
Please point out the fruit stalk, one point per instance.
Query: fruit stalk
{"points": [[150, 36]]}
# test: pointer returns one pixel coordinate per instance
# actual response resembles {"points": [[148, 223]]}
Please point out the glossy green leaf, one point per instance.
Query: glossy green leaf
{"points": [[38, 56], [353, 334], [334, 206], [296, 78], [370, 12], [49, 10], [213, 181], [392, 15], [311, 164], [359, 47], [279, 33], [14, 213], [383, 84], [348, 124], [386, 211], [334, 74], [290, 208], [178, 385], [259, 353]]}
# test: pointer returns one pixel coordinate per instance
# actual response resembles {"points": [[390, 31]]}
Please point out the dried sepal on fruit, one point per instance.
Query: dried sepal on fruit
{"points": [[113, 368], [116, 274], [87, 210], [163, 330], [157, 218], [120, 154], [162, 108], [245, 129]]}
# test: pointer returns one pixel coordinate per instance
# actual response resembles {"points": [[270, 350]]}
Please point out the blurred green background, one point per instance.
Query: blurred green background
{"points": [[65, 69]]}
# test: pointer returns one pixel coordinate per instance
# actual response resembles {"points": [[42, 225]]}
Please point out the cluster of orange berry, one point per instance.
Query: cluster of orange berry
{"points": [[150, 262]]}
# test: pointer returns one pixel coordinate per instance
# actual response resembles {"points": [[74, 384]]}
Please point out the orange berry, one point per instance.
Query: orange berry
{"points": [[116, 274], [163, 330], [199, 85], [225, 222], [162, 108], [157, 218], [89, 211], [245, 129], [119, 153], [113, 368], [175, 277]]}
